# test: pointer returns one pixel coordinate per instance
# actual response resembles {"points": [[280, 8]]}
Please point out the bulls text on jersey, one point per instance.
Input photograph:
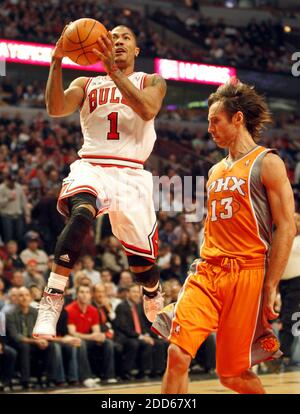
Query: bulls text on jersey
{"points": [[102, 96]]}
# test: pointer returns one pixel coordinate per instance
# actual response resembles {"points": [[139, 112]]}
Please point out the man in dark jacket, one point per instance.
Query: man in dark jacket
{"points": [[20, 323], [8, 357], [131, 332]]}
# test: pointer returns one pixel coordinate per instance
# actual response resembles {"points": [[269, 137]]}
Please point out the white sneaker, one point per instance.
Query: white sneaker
{"points": [[112, 381], [153, 305], [50, 308], [91, 383]]}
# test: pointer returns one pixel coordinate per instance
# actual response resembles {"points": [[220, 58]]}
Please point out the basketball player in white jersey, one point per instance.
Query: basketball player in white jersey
{"points": [[117, 114]]}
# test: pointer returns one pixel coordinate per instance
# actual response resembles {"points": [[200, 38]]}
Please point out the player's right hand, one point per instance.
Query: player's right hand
{"points": [[58, 52], [268, 312]]}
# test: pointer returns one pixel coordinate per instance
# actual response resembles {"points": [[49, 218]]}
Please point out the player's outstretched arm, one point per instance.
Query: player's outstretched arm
{"points": [[147, 102], [281, 199], [59, 102]]}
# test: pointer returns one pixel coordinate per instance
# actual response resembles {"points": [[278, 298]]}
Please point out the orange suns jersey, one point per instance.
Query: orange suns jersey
{"points": [[239, 220]]}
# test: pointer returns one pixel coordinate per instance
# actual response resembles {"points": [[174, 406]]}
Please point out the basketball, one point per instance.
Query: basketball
{"points": [[80, 38]]}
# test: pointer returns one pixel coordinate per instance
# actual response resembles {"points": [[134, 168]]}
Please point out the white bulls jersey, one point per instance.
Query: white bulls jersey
{"points": [[113, 133]]}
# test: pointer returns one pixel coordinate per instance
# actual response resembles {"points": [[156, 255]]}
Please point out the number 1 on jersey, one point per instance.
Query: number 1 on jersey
{"points": [[113, 132]]}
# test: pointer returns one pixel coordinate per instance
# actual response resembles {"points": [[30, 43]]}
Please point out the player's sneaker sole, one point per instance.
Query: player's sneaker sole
{"points": [[153, 305]]}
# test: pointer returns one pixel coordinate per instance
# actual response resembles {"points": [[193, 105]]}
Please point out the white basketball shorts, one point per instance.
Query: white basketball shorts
{"points": [[126, 195]]}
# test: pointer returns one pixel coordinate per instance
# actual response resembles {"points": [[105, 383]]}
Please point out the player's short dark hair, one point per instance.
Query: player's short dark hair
{"points": [[237, 96], [129, 29]]}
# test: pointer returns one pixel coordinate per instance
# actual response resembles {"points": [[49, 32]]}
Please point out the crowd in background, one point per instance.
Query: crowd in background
{"points": [[115, 342], [258, 46], [38, 153], [34, 157], [112, 340], [25, 94]]}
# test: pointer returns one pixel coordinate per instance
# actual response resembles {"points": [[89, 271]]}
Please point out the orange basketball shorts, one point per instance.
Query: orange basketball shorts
{"points": [[223, 298]]}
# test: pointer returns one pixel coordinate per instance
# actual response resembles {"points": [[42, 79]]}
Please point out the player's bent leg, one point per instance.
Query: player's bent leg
{"points": [[246, 383], [148, 278], [175, 380], [67, 251], [70, 241]]}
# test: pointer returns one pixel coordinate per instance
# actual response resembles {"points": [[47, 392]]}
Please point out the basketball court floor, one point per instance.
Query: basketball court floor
{"points": [[283, 383]]}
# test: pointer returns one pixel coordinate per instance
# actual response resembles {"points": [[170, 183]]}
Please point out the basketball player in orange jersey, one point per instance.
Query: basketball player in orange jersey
{"points": [[117, 114], [233, 290]]}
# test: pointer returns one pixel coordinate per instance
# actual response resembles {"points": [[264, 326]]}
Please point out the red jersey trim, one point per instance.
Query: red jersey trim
{"points": [[107, 161], [86, 85], [114, 165], [152, 252], [61, 202], [112, 158]]}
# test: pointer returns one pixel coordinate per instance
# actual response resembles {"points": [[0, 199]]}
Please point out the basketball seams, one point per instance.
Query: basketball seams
{"points": [[87, 58], [84, 40], [74, 50], [83, 53], [81, 39], [71, 40]]}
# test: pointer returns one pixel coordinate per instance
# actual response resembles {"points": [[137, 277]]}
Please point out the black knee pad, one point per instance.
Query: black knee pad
{"points": [[70, 241], [136, 260], [149, 278], [82, 198]]}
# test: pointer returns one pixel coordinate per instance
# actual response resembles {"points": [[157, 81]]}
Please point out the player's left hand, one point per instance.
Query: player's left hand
{"points": [[268, 312], [106, 53]]}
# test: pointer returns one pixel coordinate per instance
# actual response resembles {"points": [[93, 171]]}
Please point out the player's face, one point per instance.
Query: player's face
{"points": [[125, 46], [222, 130]]}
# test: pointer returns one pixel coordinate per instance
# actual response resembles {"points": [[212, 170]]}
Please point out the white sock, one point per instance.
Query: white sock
{"points": [[153, 289], [57, 281]]}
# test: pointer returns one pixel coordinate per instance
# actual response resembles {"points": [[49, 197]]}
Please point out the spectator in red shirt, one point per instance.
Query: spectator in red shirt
{"points": [[83, 323]]}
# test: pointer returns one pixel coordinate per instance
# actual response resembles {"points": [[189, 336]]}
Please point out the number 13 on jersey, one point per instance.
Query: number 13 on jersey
{"points": [[226, 204]]}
